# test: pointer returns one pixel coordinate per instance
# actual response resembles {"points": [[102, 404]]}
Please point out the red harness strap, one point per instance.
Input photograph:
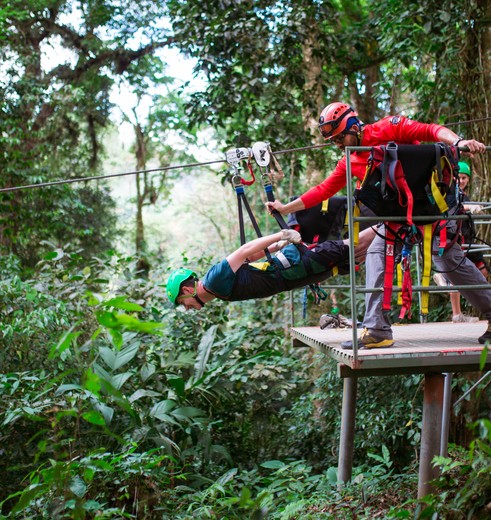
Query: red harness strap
{"points": [[409, 237], [390, 241], [396, 178], [407, 289]]}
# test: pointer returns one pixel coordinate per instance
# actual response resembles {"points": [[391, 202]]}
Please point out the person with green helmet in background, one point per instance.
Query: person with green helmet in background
{"points": [[476, 257], [240, 276]]}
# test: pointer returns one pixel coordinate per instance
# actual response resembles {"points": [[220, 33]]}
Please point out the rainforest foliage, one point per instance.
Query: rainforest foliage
{"points": [[117, 405]]}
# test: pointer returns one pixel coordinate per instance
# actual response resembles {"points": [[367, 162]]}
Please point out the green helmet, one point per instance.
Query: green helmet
{"points": [[175, 280], [464, 168]]}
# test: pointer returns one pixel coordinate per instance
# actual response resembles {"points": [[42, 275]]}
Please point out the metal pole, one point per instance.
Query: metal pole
{"points": [[469, 390], [418, 278], [347, 434], [352, 270], [431, 432], [447, 401]]}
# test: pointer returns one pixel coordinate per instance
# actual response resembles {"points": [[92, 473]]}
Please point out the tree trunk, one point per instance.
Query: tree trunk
{"points": [[366, 104], [313, 102], [476, 83]]}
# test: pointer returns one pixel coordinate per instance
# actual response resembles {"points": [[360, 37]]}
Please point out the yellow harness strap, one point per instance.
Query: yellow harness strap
{"points": [[437, 195], [427, 240], [262, 266], [399, 283], [356, 224], [325, 206]]}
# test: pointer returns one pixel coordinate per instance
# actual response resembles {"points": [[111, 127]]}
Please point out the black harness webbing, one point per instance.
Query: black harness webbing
{"points": [[242, 200], [268, 189]]}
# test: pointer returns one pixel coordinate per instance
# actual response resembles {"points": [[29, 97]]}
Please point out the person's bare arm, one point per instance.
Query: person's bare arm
{"points": [[285, 209], [251, 249], [364, 240], [445, 135], [276, 246]]}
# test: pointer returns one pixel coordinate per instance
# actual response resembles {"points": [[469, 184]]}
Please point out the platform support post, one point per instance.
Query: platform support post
{"points": [[447, 407], [431, 431], [347, 434]]}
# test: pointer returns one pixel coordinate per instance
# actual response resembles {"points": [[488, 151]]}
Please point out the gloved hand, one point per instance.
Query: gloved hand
{"points": [[474, 208], [291, 236]]}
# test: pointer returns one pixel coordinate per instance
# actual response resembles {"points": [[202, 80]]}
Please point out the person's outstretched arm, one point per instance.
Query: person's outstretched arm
{"points": [[365, 238], [449, 137], [250, 249]]}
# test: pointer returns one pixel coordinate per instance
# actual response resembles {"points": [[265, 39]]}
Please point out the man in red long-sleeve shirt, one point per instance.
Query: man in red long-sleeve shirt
{"points": [[339, 123]]}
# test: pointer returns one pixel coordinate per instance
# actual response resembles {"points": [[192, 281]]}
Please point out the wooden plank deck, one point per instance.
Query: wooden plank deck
{"points": [[419, 348]]}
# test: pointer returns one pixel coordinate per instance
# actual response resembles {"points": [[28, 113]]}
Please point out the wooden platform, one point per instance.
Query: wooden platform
{"points": [[419, 348]]}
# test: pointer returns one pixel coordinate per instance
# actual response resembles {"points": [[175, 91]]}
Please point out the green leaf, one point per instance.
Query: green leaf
{"points": [[121, 303], [142, 393], [132, 323], [92, 381], [332, 475], [162, 408], [109, 356], [147, 371], [204, 349], [108, 319], [227, 477], [245, 496], [117, 359], [445, 16], [31, 296], [28, 495], [58, 254], [111, 320], [64, 343], [106, 411], [120, 379], [187, 412], [126, 355], [484, 357], [178, 384], [67, 388], [273, 464], [92, 506], [93, 417], [78, 486], [116, 337]]}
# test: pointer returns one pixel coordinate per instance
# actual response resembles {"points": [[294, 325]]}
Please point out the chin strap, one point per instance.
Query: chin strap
{"points": [[357, 134]]}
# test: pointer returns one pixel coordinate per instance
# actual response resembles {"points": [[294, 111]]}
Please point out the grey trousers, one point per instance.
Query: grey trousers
{"points": [[454, 264]]}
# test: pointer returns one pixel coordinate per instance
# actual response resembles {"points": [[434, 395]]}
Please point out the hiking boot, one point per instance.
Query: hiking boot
{"points": [[462, 318], [369, 340], [486, 337]]}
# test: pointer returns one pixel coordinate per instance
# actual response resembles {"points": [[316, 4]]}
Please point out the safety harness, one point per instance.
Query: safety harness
{"points": [[411, 180]]}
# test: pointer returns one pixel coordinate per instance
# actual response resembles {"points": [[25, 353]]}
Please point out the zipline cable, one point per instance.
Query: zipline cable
{"points": [[468, 121], [178, 166], [153, 170]]}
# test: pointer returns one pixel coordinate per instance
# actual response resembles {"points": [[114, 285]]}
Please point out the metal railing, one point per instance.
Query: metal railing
{"points": [[354, 290]]}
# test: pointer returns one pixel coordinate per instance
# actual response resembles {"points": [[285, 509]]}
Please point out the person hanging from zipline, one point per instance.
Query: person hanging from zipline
{"points": [[240, 276]]}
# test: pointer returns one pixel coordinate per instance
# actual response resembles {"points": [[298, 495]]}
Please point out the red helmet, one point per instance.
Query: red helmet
{"points": [[334, 119]]}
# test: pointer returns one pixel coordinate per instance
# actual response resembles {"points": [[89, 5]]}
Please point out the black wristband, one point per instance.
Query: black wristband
{"points": [[457, 141]]}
